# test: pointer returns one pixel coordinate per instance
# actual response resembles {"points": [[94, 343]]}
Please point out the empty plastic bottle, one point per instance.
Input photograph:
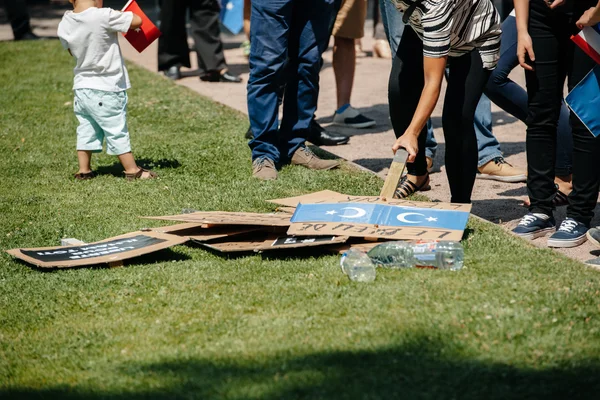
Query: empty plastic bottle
{"points": [[441, 255], [358, 266]]}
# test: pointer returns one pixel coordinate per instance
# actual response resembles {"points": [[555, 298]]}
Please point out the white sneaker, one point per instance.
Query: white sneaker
{"points": [[350, 117]]}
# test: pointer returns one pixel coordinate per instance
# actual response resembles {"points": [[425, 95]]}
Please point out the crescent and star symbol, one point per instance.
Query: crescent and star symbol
{"points": [[359, 212]]}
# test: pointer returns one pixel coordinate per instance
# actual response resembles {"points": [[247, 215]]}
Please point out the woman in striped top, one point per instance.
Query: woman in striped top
{"points": [[465, 35]]}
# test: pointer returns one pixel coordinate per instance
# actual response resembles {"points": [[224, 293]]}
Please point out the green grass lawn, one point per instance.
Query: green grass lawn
{"points": [[516, 322]]}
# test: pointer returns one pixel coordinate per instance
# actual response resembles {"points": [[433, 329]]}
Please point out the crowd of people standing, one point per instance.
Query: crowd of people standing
{"points": [[466, 42]]}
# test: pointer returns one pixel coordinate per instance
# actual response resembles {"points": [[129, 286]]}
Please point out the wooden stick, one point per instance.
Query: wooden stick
{"points": [[394, 174]]}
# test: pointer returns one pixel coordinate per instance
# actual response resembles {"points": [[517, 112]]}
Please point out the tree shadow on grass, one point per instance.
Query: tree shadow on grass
{"points": [[116, 169], [422, 368]]}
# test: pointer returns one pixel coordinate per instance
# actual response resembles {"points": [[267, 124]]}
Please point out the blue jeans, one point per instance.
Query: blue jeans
{"points": [[512, 98], [487, 144], [290, 35]]}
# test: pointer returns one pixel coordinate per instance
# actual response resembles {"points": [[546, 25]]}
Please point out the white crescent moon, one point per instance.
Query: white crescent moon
{"points": [[402, 218], [359, 212]]}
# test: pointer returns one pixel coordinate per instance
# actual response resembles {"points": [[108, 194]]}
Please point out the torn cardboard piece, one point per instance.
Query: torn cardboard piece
{"points": [[199, 232], [111, 250], [294, 242], [272, 242], [213, 218], [328, 196]]}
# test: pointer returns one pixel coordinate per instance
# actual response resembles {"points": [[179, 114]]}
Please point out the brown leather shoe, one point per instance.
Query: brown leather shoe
{"points": [[305, 157], [264, 168]]}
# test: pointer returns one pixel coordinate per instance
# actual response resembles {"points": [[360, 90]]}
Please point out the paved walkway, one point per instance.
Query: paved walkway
{"points": [[371, 148]]}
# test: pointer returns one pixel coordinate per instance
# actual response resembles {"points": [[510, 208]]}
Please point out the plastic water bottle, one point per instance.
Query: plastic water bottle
{"points": [[358, 266], [433, 254]]}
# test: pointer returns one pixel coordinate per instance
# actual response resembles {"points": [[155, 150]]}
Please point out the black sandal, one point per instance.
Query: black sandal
{"points": [[406, 188], [86, 176]]}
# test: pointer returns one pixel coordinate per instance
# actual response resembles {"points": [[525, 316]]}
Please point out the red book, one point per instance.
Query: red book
{"points": [[143, 36]]}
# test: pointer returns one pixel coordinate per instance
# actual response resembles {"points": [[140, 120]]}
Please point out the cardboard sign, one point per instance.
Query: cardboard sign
{"points": [[378, 221], [179, 229], [106, 251], [294, 242], [229, 218], [369, 230], [246, 245], [316, 197], [327, 196]]}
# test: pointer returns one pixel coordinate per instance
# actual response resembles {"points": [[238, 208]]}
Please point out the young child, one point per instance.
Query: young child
{"points": [[89, 33]]}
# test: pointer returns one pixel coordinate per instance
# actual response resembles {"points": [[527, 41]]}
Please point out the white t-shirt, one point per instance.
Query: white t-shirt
{"points": [[91, 36]]}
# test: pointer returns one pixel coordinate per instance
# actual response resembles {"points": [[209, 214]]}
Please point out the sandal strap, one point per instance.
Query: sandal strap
{"points": [[139, 174], [405, 188], [560, 199]]}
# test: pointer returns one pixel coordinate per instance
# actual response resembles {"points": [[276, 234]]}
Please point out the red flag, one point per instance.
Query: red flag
{"points": [[143, 36]]}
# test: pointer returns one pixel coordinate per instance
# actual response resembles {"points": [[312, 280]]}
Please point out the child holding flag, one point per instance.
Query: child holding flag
{"points": [[89, 33], [548, 56]]}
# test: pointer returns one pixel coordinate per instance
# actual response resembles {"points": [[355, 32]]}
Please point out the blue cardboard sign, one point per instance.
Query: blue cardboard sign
{"points": [[584, 101], [382, 215]]}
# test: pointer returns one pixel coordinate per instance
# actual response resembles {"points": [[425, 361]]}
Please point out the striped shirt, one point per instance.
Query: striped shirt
{"points": [[455, 27]]}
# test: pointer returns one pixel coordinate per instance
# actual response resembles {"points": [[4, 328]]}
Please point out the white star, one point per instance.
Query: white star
{"points": [[431, 219], [332, 212], [229, 6], [138, 30]]}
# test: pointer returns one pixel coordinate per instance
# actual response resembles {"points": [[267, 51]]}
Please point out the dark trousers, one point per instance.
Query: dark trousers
{"points": [[16, 11], [512, 98], [173, 48], [466, 81], [557, 58], [292, 32]]}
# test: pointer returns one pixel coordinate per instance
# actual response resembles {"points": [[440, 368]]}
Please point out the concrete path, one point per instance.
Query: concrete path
{"points": [[371, 148]]}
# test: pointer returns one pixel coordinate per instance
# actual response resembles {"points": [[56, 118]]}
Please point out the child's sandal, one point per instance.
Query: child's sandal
{"points": [[85, 176], [406, 188], [140, 173]]}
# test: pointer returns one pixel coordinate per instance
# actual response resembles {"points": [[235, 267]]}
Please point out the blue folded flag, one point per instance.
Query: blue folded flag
{"points": [[584, 101], [232, 15]]}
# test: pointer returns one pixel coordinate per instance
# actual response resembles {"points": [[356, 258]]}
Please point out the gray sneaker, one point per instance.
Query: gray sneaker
{"points": [[593, 235], [264, 168], [305, 157]]}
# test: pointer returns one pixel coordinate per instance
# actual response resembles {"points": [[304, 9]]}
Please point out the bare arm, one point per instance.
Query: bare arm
{"points": [[525, 45], [590, 17], [136, 22], [433, 69]]}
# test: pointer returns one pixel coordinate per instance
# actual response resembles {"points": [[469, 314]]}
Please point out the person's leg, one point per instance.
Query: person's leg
{"points": [[16, 11], [307, 41], [430, 142], [344, 65], [466, 81], [512, 98], [545, 92], [487, 144], [247, 10], [269, 32], [404, 91], [349, 25], [204, 19], [84, 159], [586, 151], [173, 49], [392, 24]]}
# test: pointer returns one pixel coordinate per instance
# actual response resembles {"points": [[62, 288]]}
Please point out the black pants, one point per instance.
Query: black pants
{"points": [[466, 81], [556, 58], [16, 11], [204, 19]]}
